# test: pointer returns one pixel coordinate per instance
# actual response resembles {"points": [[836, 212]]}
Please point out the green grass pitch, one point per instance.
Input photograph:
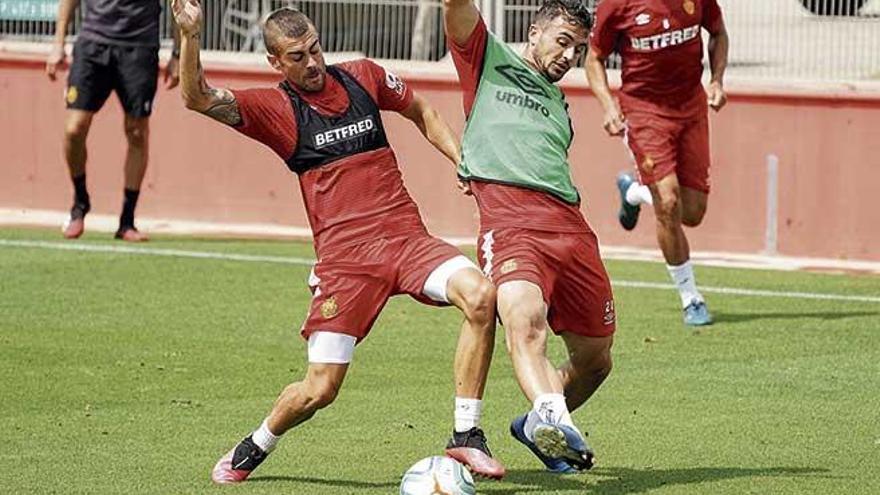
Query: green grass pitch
{"points": [[123, 373]]}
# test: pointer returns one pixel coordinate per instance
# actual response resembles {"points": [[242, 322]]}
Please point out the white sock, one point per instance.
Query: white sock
{"points": [[467, 413], [637, 194], [683, 276], [547, 408], [264, 438]]}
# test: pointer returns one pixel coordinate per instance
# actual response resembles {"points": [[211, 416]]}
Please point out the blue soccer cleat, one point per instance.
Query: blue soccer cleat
{"points": [[696, 314], [563, 442], [554, 465], [628, 215]]}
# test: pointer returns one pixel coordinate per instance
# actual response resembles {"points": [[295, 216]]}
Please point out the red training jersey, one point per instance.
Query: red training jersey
{"points": [[353, 199], [504, 205], [662, 50]]}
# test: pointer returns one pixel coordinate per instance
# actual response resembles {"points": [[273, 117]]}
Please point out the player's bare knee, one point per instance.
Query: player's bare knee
{"points": [[693, 217], [602, 369], [668, 209], [595, 372], [76, 130], [136, 133], [692, 221], [479, 303], [669, 203], [525, 335]]}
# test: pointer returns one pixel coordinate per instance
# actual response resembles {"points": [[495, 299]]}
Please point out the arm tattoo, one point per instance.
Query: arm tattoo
{"points": [[224, 107]]}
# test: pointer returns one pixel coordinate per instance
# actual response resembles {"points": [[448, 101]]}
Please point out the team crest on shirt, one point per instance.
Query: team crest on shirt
{"points": [[508, 266], [648, 164], [72, 95], [394, 83], [329, 308], [643, 19], [689, 7]]}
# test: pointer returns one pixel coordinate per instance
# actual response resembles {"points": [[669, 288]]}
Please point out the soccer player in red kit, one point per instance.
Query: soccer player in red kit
{"points": [[662, 116], [535, 244], [371, 244]]}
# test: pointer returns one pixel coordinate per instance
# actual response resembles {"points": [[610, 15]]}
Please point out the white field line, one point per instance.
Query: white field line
{"points": [[108, 223], [180, 253], [176, 253], [751, 292]]}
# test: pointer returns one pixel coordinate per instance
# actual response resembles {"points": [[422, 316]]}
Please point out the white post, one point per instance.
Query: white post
{"points": [[771, 245], [498, 27]]}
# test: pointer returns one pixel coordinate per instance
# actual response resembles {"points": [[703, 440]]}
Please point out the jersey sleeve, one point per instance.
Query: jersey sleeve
{"points": [[712, 18], [605, 32], [388, 90], [468, 60], [267, 116]]}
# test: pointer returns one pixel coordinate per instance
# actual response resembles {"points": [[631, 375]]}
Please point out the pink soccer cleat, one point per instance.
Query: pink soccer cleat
{"points": [[73, 228], [75, 224], [238, 463], [131, 234], [470, 449]]}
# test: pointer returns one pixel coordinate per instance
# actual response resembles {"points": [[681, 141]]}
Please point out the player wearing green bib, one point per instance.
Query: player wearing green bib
{"points": [[534, 242]]}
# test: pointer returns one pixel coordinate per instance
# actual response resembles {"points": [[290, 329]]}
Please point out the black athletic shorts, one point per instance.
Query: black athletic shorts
{"points": [[99, 68]]}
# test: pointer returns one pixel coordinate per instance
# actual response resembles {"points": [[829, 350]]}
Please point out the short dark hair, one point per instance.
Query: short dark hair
{"points": [[287, 22], [574, 11]]}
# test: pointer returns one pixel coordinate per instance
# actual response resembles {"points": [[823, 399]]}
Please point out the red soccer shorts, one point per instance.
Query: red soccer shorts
{"points": [[663, 145], [566, 267], [351, 284]]}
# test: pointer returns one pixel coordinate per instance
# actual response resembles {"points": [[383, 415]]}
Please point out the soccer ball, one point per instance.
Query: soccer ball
{"points": [[437, 476]]}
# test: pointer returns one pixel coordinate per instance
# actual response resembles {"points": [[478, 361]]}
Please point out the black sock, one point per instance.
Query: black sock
{"points": [[80, 193], [126, 220]]}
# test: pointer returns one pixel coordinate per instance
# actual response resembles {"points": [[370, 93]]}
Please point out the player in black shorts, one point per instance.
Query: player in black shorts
{"points": [[117, 50]]}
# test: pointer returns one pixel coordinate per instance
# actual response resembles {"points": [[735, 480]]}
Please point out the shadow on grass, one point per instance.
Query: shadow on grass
{"points": [[626, 481], [604, 481], [816, 315], [325, 482]]}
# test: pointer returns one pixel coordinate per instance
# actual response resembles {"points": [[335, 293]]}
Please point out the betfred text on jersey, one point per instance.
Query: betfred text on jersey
{"points": [[344, 133], [524, 101], [665, 40]]}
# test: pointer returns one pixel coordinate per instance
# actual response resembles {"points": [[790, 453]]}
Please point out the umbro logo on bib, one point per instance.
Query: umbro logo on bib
{"points": [[523, 79]]}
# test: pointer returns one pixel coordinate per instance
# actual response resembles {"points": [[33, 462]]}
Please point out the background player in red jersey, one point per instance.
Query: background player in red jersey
{"points": [[662, 117], [370, 241]]}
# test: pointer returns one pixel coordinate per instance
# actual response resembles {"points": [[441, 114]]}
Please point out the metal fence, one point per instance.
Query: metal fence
{"points": [[835, 40]]}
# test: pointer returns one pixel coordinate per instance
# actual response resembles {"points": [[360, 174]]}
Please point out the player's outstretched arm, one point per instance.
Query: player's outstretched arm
{"points": [[613, 120], [433, 127], [56, 59], [460, 17], [719, 44], [217, 103]]}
